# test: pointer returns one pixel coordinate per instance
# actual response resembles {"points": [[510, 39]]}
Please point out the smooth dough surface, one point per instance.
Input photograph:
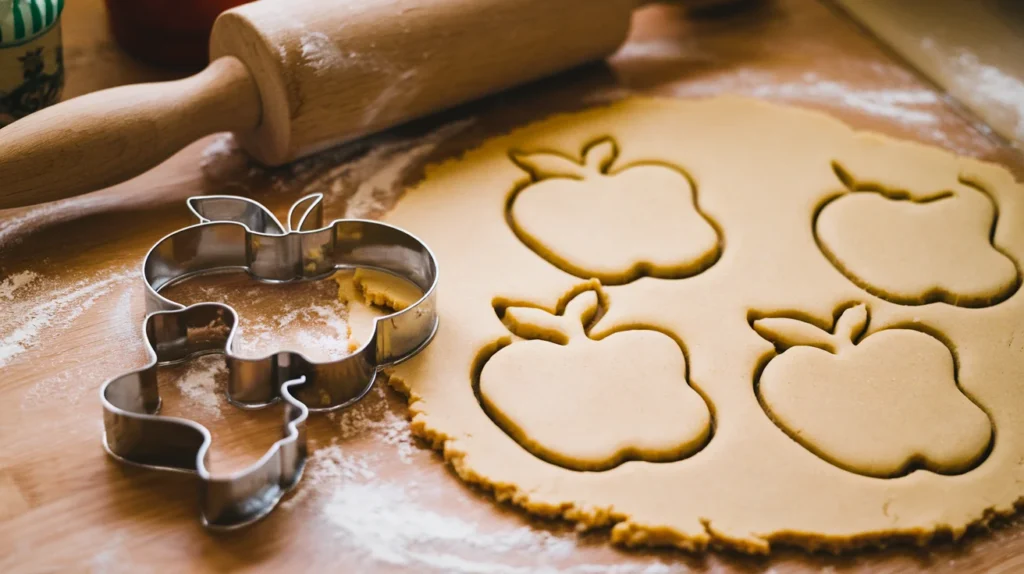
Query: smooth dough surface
{"points": [[592, 216], [622, 397], [897, 243], [761, 174], [848, 401]]}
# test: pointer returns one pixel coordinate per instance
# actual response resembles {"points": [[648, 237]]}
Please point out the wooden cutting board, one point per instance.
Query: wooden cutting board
{"points": [[374, 499]]}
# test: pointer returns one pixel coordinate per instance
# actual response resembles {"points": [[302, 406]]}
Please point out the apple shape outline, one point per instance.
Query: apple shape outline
{"points": [[589, 423], [808, 388], [907, 272], [556, 212]]}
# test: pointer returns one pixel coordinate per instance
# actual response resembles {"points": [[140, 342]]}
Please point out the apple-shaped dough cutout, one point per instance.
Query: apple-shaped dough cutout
{"points": [[881, 406], [914, 249], [587, 404], [615, 225]]}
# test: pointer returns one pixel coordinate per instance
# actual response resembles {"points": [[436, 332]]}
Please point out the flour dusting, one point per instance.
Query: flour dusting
{"points": [[905, 105], [81, 370], [39, 306], [891, 95], [12, 229], [10, 285], [369, 185], [203, 382], [411, 519], [987, 87], [223, 158], [901, 105], [220, 146], [382, 423], [326, 469], [303, 317], [319, 53], [395, 524], [324, 335], [660, 49]]}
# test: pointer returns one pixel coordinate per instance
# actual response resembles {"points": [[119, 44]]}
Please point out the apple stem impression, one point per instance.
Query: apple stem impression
{"points": [[602, 218], [785, 333], [591, 404], [882, 405], [569, 325], [598, 158]]}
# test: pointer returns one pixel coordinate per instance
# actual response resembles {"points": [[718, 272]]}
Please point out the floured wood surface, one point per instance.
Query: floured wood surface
{"points": [[972, 49], [374, 498]]}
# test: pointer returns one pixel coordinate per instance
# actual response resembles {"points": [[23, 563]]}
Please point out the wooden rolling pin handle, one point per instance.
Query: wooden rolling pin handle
{"points": [[106, 137]]}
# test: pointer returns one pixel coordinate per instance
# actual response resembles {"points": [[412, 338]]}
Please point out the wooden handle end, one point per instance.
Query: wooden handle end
{"points": [[106, 137]]}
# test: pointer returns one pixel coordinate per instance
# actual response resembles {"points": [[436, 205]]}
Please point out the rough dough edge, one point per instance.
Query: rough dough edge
{"points": [[627, 533], [630, 534]]}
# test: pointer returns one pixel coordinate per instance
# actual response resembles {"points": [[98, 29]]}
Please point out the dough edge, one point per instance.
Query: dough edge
{"points": [[630, 534]]}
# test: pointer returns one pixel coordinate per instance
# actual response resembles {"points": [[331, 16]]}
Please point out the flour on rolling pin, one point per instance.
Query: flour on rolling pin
{"points": [[294, 78]]}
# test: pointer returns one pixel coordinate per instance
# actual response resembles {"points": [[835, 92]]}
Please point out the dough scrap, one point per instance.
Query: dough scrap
{"points": [[385, 290], [590, 404], [370, 294], [762, 172]]}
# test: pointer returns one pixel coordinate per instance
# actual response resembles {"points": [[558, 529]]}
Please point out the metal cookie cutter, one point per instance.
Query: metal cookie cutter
{"points": [[236, 233]]}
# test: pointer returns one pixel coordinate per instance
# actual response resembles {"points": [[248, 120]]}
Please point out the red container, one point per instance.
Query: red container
{"points": [[168, 33]]}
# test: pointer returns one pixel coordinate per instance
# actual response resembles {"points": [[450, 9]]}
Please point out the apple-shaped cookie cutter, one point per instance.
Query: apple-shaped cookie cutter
{"points": [[235, 233]]}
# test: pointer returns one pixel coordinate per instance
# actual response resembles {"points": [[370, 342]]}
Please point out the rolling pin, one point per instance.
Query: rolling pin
{"points": [[291, 78]]}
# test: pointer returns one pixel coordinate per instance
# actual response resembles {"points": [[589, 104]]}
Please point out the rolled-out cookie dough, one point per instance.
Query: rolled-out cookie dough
{"points": [[624, 397], [761, 173]]}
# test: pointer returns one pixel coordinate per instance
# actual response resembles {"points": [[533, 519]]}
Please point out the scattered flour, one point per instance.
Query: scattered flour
{"points": [[369, 185], [332, 340], [389, 520], [400, 91], [222, 159], [318, 331], [82, 370], [328, 468], [202, 383], [905, 105], [13, 229], [660, 49], [390, 524], [10, 285], [109, 557], [359, 179], [304, 317], [896, 104], [986, 88], [376, 418], [916, 108], [319, 53], [38, 306], [221, 145], [607, 95]]}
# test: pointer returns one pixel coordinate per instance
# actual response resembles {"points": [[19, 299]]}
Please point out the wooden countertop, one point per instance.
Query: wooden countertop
{"points": [[374, 498]]}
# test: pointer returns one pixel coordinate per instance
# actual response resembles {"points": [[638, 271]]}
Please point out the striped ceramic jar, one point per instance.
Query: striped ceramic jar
{"points": [[31, 56]]}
